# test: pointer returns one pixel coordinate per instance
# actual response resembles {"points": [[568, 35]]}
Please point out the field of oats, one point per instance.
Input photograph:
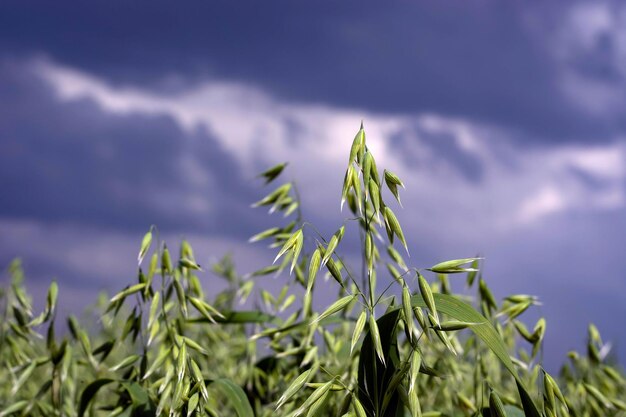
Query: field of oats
{"points": [[397, 340]]}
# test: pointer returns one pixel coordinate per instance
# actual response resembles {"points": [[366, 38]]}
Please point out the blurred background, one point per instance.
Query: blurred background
{"points": [[505, 120]]}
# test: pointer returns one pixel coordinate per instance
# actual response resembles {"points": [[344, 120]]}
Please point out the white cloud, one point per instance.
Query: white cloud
{"points": [[606, 162], [588, 44], [257, 128], [547, 201]]}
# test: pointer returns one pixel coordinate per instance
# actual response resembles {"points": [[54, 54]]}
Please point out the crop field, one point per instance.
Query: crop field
{"points": [[396, 340]]}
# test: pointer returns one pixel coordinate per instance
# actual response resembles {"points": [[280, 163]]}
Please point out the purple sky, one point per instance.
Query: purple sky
{"points": [[506, 121]]}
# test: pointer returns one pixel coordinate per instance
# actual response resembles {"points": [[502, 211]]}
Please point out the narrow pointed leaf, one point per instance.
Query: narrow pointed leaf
{"points": [[235, 396], [89, 392]]}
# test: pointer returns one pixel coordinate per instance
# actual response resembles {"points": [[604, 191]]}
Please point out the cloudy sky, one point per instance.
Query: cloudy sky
{"points": [[506, 121]]}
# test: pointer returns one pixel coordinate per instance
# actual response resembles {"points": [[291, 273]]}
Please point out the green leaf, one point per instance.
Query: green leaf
{"points": [[137, 393], [89, 392], [462, 311], [374, 376], [142, 404], [370, 365], [235, 396], [512, 411], [14, 408]]}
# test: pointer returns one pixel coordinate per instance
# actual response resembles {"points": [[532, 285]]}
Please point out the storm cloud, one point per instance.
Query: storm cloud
{"points": [[505, 122]]}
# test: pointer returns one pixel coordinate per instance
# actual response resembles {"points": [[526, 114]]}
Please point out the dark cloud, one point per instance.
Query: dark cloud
{"points": [[72, 166], [443, 144], [72, 162], [565, 261], [475, 60]]}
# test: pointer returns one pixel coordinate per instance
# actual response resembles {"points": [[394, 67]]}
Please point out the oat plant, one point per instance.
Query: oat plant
{"points": [[395, 340]]}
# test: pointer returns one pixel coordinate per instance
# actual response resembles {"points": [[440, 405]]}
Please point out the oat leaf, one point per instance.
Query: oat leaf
{"points": [[89, 392], [235, 395]]}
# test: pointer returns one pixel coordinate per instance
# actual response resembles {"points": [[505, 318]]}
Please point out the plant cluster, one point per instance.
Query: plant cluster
{"points": [[396, 341]]}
